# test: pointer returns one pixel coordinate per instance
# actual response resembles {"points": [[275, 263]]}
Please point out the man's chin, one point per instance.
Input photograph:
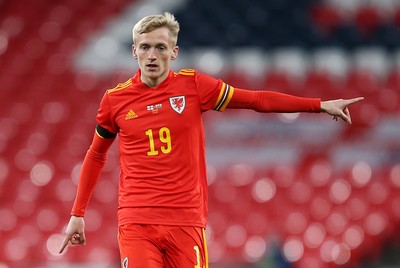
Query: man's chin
{"points": [[152, 73]]}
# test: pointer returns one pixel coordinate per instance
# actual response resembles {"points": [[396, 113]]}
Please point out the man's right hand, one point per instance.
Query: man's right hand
{"points": [[75, 233]]}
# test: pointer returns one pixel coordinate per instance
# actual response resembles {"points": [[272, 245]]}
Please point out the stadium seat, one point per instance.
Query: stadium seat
{"points": [[306, 183], [327, 17], [321, 84], [367, 19]]}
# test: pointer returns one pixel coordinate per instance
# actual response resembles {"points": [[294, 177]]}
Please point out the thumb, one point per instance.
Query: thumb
{"points": [[345, 115], [82, 238]]}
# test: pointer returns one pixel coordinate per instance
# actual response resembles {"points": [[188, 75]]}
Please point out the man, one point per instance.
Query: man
{"points": [[157, 114]]}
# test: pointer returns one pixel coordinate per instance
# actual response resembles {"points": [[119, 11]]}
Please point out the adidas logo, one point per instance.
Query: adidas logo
{"points": [[130, 115]]}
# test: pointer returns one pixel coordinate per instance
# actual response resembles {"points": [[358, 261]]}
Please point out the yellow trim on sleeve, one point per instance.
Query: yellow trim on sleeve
{"points": [[228, 99], [221, 94], [97, 133]]}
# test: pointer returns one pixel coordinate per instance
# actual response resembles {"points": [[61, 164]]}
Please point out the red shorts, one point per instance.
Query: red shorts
{"points": [[161, 246]]}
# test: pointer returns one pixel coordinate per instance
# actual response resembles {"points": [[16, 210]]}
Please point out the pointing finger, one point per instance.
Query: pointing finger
{"points": [[354, 100], [64, 244]]}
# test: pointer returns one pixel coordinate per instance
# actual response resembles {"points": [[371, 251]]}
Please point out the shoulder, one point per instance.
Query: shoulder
{"points": [[186, 73], [192, 74], [120, 87]]}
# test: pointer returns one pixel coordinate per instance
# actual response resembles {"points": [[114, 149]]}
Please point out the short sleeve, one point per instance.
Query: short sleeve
{"points": [[214, 94], [104, 116]]}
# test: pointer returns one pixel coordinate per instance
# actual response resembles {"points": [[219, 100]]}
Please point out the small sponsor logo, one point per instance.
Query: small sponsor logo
{"points": [[130, 115]]}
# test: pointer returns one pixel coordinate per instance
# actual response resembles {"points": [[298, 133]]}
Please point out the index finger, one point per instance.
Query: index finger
{"points": [[64, 244], [354, 100]]}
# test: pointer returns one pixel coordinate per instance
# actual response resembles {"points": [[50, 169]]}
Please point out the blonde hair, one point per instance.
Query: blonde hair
{"points": [[153, 22]]}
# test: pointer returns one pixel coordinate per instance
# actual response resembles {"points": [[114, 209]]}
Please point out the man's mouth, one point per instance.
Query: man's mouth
{"points": [[151, 66]]}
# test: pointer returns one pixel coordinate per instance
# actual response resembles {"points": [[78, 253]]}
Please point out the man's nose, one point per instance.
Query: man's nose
{"points": [[152, 53]]}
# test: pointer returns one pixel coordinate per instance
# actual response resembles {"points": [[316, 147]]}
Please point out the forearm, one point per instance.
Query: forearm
{"points": [[91, 169], [269, 101], [90, 173]]}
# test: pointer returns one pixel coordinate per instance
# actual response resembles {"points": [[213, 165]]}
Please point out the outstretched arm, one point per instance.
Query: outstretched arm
{"points": [[265, 101], [270, 101]]}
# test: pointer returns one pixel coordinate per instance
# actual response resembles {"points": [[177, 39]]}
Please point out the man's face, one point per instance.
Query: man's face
{"points": [[154, 52]]}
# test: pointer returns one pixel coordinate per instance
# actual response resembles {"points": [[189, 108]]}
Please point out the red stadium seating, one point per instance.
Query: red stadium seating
{"points": [[319, 213], [367, 19]]}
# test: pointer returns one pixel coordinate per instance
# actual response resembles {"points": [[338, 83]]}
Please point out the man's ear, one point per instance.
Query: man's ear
{"points": [[134, 52], [174, 53]]}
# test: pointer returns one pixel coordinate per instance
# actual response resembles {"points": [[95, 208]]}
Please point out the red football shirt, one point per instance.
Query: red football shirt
{"points": [[162, 147]]}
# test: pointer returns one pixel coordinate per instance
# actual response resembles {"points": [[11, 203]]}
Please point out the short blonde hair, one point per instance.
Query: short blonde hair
{"points": [[153, 22]]}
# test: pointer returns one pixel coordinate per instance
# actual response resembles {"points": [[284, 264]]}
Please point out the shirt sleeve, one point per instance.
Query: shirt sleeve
{"points": [[270, 101], [104, 116], [91, 169], [214, 94]]}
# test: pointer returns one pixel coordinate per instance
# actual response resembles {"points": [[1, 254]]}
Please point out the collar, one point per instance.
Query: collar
{"points": [[137, 82]]}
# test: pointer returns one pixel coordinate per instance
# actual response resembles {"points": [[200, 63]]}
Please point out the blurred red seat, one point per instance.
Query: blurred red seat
{"points": [[326, 16], [367, 19], [280, 81], [320, 84]]}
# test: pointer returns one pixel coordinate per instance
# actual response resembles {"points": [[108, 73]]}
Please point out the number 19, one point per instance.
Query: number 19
{"points": [[164, 136]]}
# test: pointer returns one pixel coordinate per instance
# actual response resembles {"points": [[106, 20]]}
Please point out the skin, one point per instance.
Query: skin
{"points": [[154, 52], [75, 233], [339, 108]]}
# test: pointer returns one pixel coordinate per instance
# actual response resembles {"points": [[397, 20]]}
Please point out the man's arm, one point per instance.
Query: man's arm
{"points": [[270, 101], [92, 166]]}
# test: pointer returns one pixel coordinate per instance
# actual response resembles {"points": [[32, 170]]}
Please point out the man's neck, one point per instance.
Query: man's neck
{"points": [[154, 82]]}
